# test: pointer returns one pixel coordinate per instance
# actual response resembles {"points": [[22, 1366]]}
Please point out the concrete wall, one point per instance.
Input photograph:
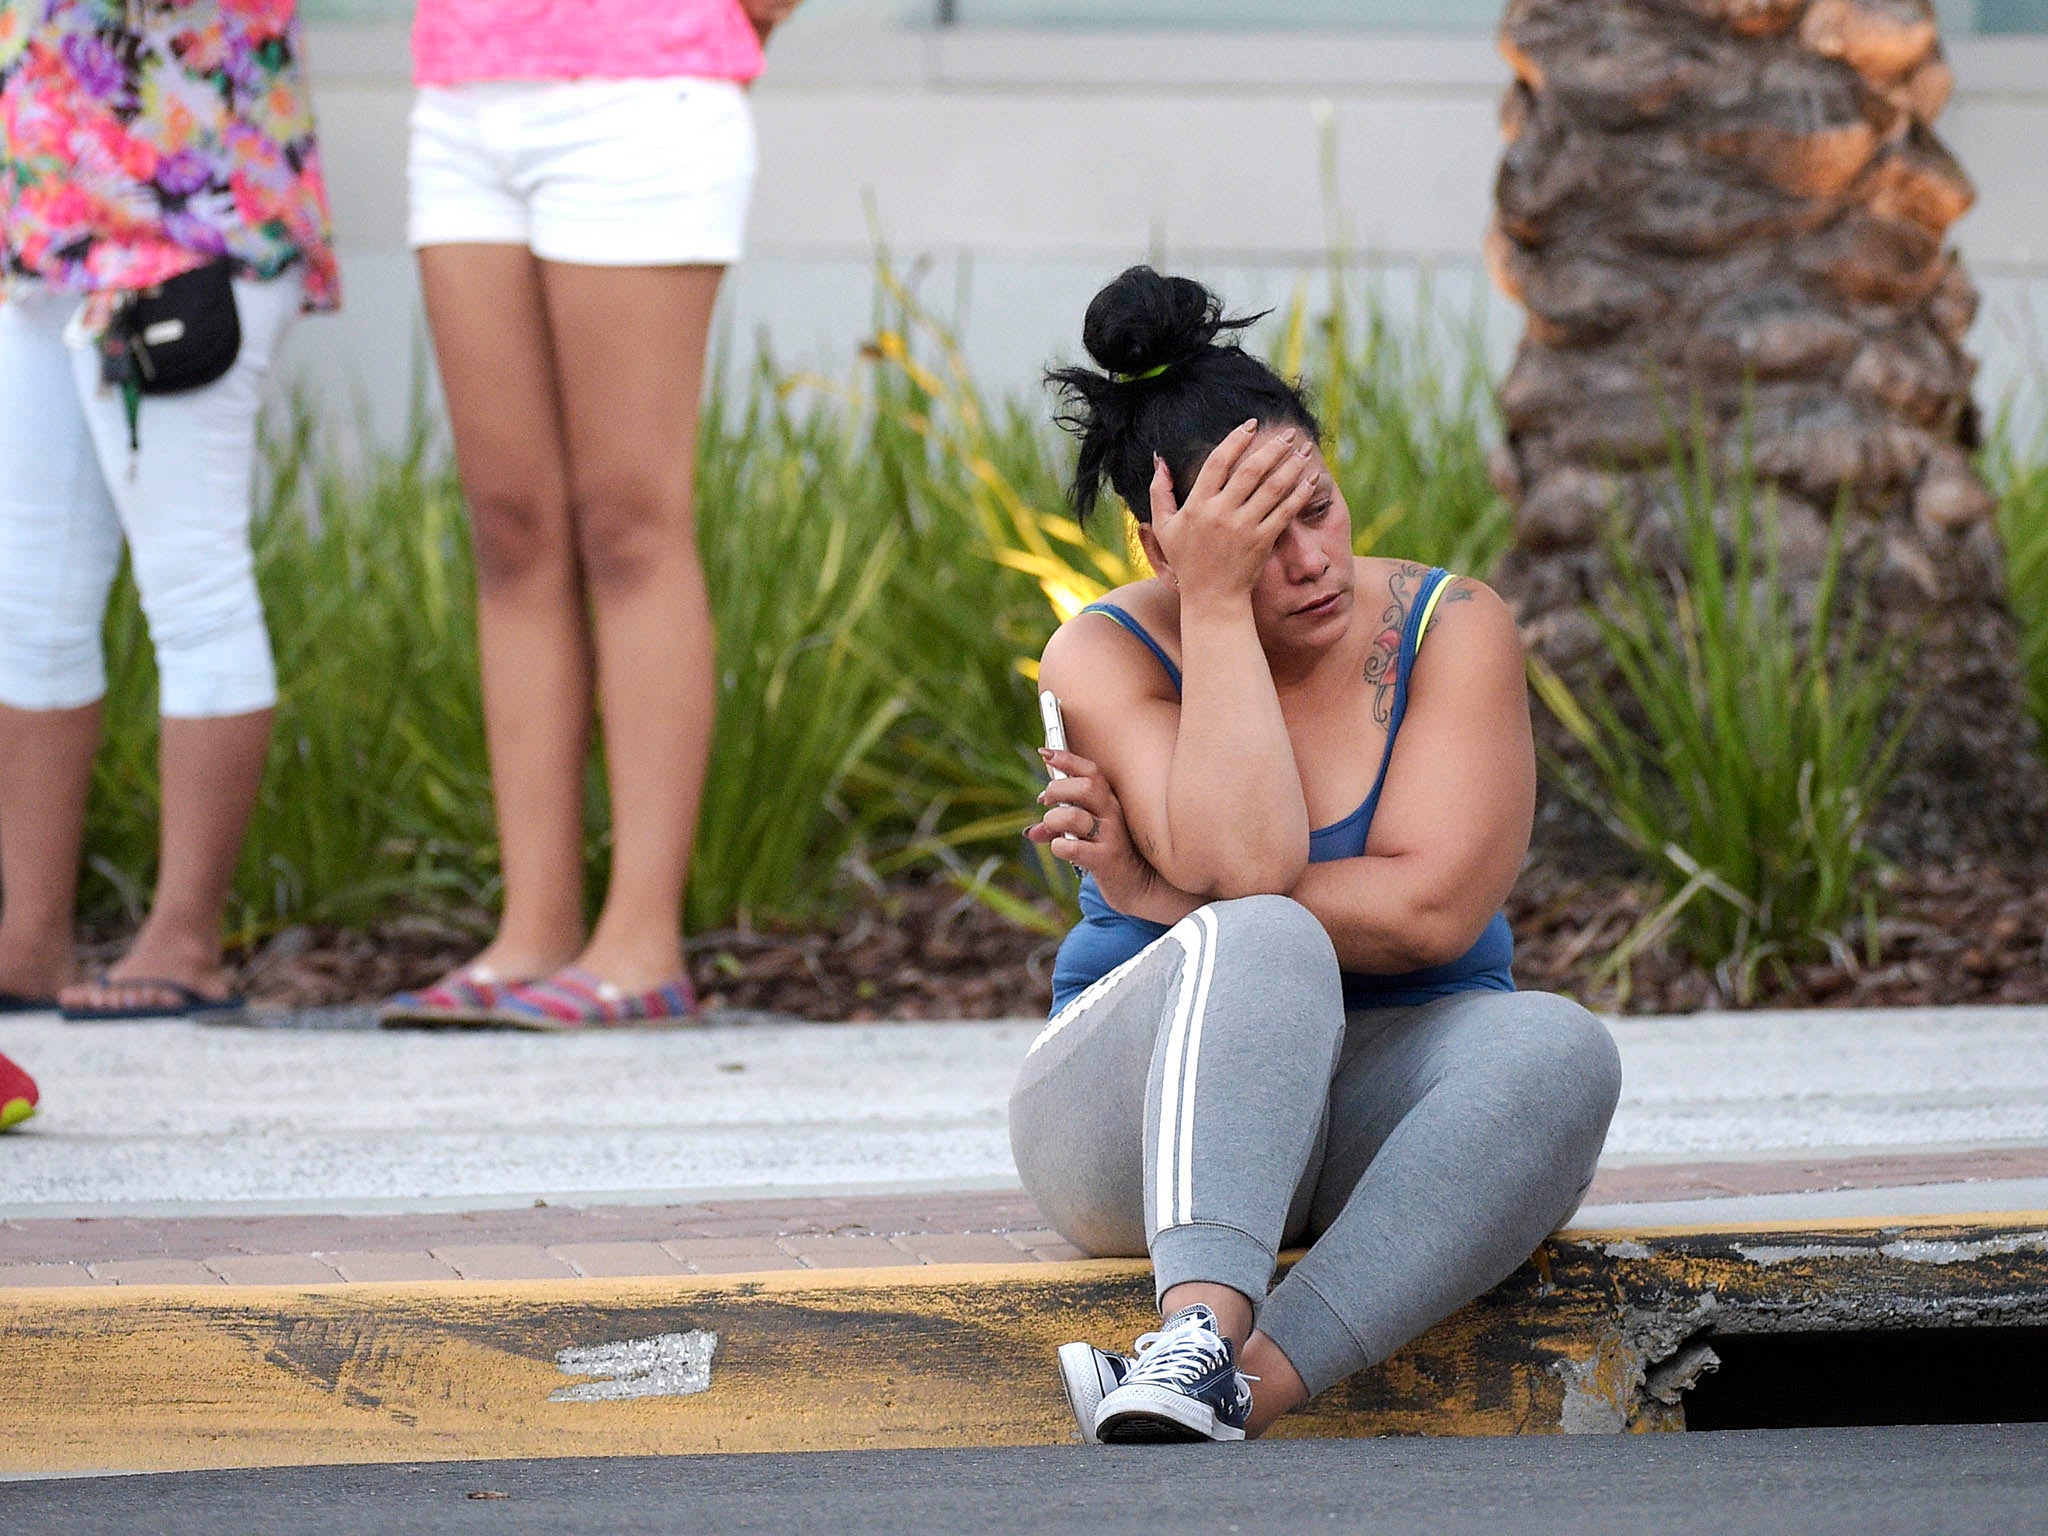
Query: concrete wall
{"points": [[1017, 169]]}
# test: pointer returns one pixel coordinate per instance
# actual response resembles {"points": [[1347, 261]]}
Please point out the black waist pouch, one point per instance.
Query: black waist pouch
{"points": [[180, 335]]}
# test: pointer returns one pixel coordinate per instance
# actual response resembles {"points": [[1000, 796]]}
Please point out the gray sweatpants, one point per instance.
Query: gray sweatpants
{"points": [[1210, 1101]]}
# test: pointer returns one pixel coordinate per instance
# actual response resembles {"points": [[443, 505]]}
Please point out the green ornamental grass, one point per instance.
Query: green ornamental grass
{"points": [[1747, 744], [2022, 487], [887, 554], [376, 791]]}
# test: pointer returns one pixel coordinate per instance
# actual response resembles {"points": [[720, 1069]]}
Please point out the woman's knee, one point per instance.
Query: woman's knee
{"points": [[1277, 932], [51, 671], [519, 533], [1088, 1184], [60, 545], [1565, 1058], [206, 625], [628, 524], [1268, 980], [50, 649]]}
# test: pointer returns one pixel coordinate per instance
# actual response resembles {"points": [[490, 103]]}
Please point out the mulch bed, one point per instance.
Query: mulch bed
{"points": [[1970, 934], [1974, 934]]}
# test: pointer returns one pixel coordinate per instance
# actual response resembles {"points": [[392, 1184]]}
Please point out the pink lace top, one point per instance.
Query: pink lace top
{"points": [[456, 41]]}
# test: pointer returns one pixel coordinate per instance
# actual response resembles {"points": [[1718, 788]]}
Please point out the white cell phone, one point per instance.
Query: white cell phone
{"points": [[1055, 727]]}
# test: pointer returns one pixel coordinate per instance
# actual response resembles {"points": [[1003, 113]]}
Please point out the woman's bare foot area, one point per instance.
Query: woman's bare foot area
{"points": [[633, 968], [1280, 1389], [34, 970], [157, 964], [503, 964]]}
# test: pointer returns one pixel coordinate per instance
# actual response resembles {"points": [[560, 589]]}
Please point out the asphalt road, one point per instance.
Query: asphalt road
{"points": [[1949, 1479]]}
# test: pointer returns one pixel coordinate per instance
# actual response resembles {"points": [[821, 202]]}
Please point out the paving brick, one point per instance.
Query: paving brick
{"points": [[621, 1260], [46, 1274], [272, 1269], [967, 1213], [763, 1226], [154, 1272], [737, 1236], [504, 1261], [1057, 1253], [730, 1255], [959, 1248], [80, 1241], [690, 1247], [844, 1252], [380, 1264], [827, 1208], [737, 1265]]}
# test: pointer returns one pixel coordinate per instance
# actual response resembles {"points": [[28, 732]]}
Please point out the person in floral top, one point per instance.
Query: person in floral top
{"points": [[139, 141], [142, 139]]}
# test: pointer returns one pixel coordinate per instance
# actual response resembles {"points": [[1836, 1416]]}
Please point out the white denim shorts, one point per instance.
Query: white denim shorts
{"points": [[610, 173]]}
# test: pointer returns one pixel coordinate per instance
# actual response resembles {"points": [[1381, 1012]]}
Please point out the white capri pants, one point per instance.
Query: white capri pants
{"points": [[70, 490]]}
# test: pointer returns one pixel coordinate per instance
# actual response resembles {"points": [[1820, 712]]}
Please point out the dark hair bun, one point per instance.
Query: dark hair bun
{"points": [[1144, 318], [1169, 388]]}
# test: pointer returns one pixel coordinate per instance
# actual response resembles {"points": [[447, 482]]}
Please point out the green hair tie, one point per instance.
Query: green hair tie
{"points": [[1134, 378]]}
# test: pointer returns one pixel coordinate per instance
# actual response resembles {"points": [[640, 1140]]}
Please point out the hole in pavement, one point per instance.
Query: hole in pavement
{"points": [[1921, 1376]]}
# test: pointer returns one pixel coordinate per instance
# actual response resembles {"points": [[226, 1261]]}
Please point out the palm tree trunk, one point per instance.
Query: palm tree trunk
{"points": [[1737, 209]]}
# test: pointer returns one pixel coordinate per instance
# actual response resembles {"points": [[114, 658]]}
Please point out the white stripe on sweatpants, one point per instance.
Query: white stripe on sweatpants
{"points": [[1089, 995], [1174, 1172]]}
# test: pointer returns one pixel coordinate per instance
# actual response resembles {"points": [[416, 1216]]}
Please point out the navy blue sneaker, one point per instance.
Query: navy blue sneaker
{"points": [[1089, 1375], [1184, 1386]]}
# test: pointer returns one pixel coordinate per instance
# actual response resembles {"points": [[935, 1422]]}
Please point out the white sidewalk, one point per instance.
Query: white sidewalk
{"points": [[178, 1118]]}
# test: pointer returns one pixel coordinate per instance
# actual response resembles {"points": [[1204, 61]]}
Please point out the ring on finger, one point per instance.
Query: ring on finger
{"points": [[1094, 828]]}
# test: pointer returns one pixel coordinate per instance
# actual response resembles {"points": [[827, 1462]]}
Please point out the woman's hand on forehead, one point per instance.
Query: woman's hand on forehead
{"points": [[1217, 541]]}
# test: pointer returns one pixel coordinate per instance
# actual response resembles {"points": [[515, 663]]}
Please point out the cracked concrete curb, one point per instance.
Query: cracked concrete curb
{"points": [[1603, 1331]]}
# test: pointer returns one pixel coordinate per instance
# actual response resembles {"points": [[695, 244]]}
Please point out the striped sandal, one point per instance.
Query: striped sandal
{"points": [[574, 998], [470, 995]]}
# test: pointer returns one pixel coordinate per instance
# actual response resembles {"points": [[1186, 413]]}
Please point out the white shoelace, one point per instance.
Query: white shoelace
{"points": [[1182, 1355]]}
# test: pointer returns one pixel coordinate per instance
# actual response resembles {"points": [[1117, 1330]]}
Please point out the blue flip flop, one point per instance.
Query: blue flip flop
{"points": [[191, 1003], [19, 1002]]}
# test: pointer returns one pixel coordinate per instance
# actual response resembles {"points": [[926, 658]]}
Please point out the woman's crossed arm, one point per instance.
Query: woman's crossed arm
{"points": [[1448, 836]]}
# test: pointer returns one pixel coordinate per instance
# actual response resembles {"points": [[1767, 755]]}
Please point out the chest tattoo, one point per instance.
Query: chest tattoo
{"points": [[1383, 655]]}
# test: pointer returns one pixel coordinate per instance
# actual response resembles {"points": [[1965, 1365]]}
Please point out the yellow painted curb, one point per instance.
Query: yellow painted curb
{"points": [[1894, 1223], [157, 1378]]}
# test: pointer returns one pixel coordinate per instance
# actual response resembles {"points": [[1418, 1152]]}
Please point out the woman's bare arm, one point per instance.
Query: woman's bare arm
{"points": [[1123, 719], [1084, 824], [1122, 713], [1207, 779]]}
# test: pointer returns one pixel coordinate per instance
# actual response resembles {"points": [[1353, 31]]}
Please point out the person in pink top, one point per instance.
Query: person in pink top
{"points": [[580, 171]]}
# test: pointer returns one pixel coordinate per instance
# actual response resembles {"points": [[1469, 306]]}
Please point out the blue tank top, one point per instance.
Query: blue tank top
{"points": [[1105, 938]]}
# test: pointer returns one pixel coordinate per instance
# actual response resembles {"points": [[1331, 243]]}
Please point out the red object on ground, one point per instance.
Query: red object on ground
{"points": [[17, 1094]]}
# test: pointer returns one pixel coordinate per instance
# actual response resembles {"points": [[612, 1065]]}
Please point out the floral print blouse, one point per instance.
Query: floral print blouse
{"points": [[142, 138]]}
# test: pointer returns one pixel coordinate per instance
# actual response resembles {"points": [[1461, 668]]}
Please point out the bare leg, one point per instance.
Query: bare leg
{"points": [[45, 774], [630, 347], [212, 769], [497, 368], [1279, 1388], [1276, 1388], [1233, 1311]]}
